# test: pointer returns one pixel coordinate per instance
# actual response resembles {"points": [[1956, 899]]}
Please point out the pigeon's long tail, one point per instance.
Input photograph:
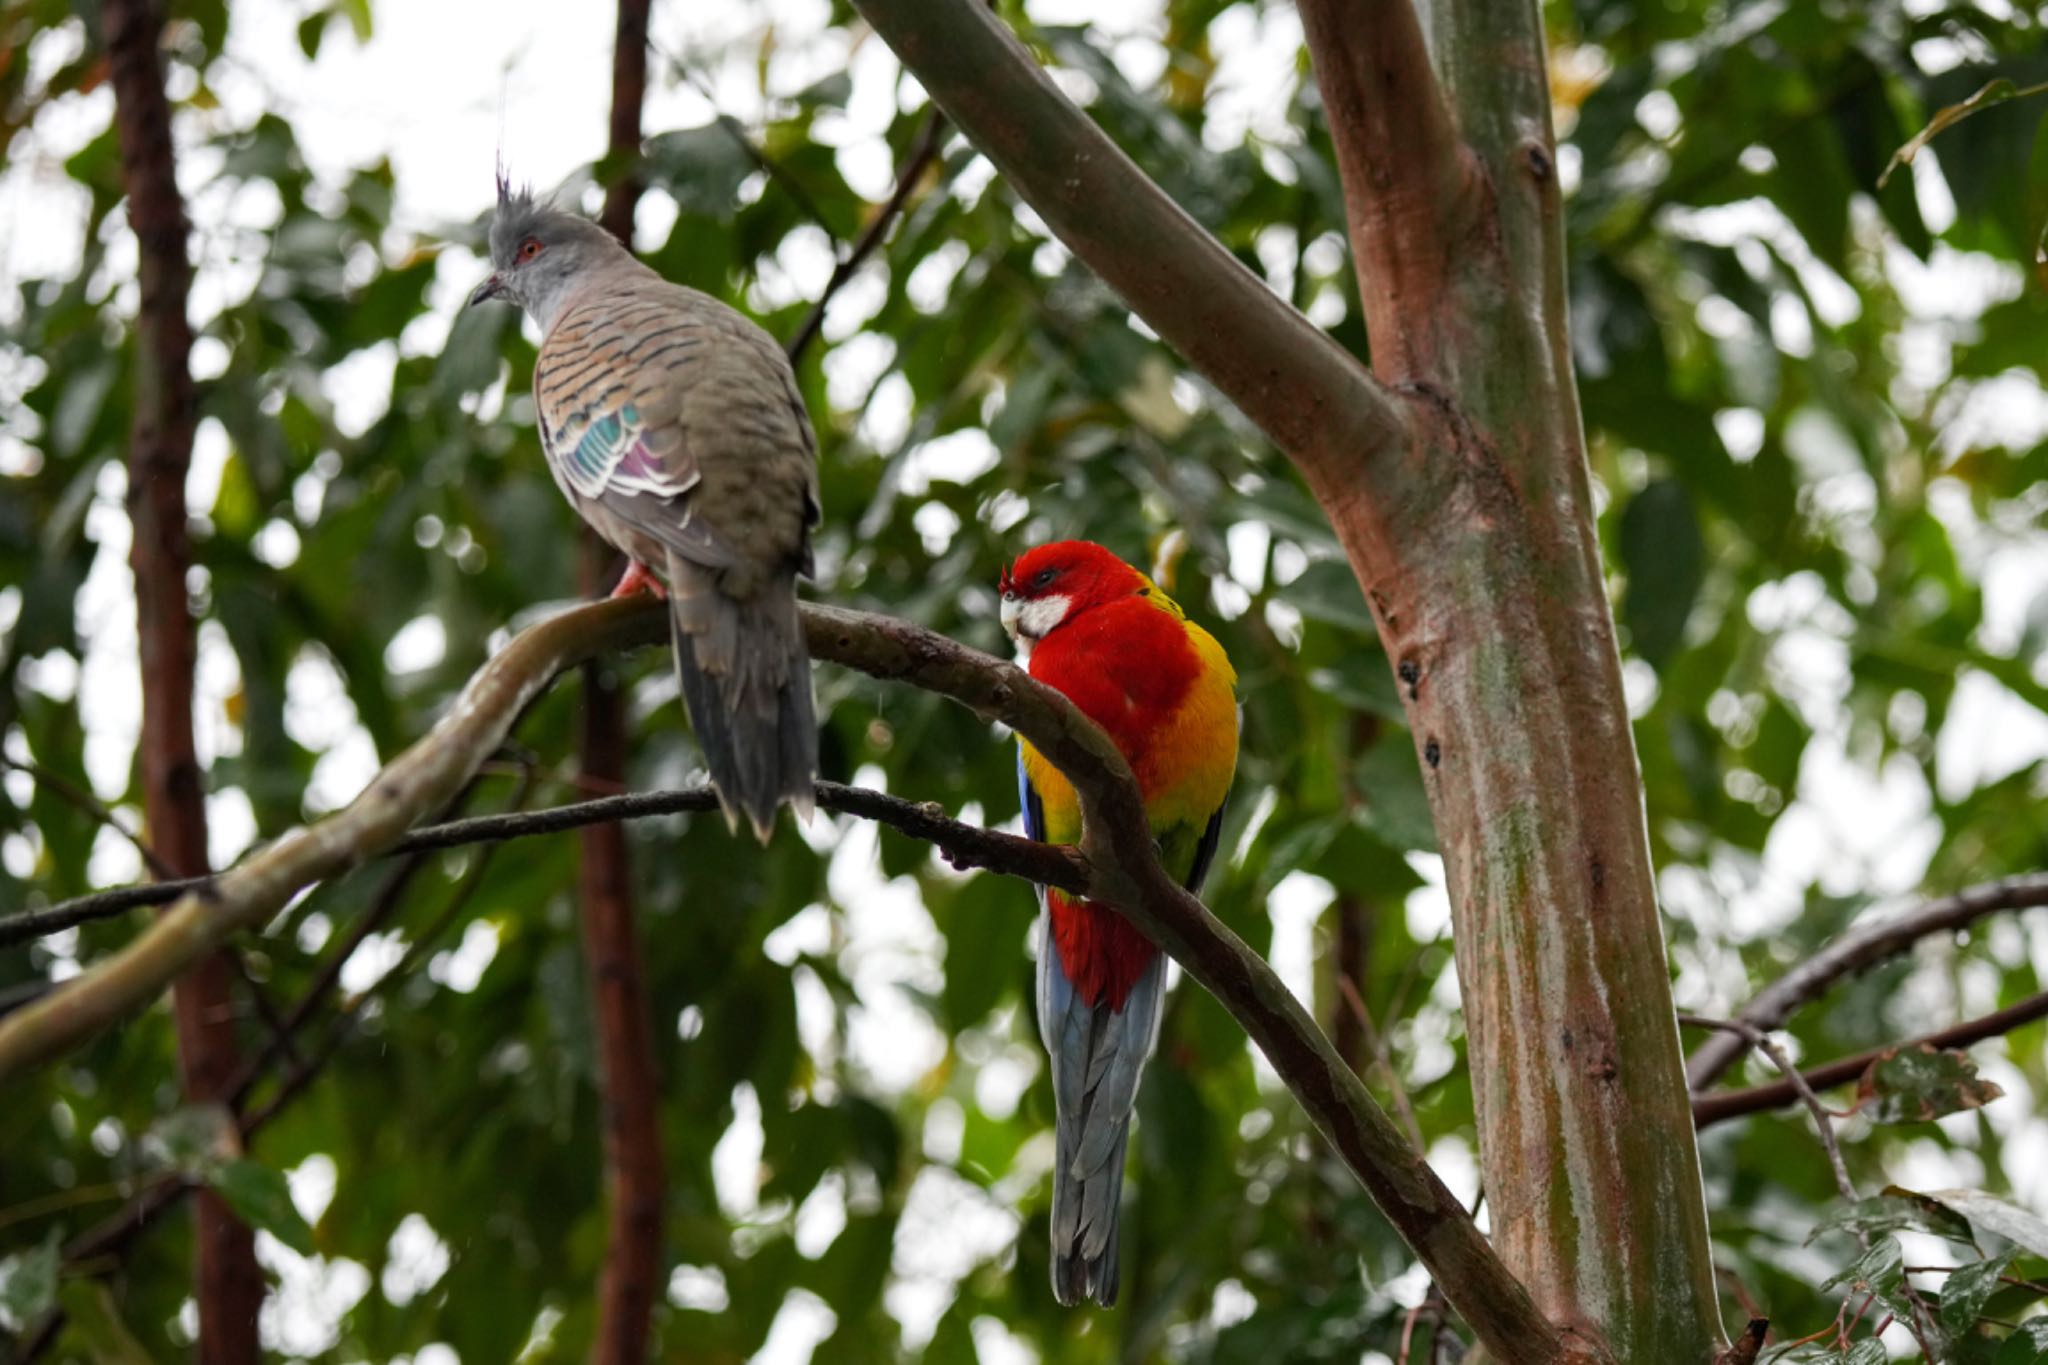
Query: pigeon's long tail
{"points": [[746, 680]]}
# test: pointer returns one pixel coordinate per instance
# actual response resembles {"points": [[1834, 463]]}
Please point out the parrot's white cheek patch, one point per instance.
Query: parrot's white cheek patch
{"points": [[1037, 617]]}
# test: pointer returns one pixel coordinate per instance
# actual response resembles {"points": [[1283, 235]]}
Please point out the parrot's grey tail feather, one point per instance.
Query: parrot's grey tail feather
{"points": [[746, 679], [1084, 1225]]}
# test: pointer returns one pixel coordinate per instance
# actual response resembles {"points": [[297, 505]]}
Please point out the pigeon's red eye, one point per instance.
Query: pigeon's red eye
{"points": [[529, 248]]}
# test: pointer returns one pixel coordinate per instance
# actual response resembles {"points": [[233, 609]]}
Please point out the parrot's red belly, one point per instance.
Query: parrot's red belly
{"points": [[1102, 954], [1128, 666]]}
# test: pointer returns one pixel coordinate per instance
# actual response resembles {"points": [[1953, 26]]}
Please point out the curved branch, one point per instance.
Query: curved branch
{"points": [[1857, 951], [420, 780], [1728, 1104], [1303, 389]]}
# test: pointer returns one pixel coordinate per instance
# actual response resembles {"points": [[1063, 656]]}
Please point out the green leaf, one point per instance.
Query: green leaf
{"points": [[1989, 1213], [1964, 1292], [702, 167], [28, 1281], [832, 91], [1666, 561], [1921, 1084], [260, 1196], [1879, 1270], [195, 1138], [1892, 1211], [1393, 802], [2028, 1345]]}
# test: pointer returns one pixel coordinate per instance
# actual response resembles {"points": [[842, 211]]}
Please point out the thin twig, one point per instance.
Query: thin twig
{"points": [[1728, 1104], [926, 146], [350, 1012], [77, 797], [964, 846], [1858, 950], [1822, 1119], [266, 1009], [62, 1199]]}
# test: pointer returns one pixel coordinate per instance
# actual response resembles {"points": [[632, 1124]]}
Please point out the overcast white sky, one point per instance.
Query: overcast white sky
{"points": [[439, 90]]}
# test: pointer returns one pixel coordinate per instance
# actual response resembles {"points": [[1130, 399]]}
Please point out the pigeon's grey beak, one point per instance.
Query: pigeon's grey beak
{"points": [[488, 290]]}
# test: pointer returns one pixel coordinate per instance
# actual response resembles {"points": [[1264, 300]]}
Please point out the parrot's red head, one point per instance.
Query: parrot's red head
{"points": [[1053, 584]]}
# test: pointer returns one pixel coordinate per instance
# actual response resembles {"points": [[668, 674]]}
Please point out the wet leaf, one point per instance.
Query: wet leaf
{"points": [[1964, 1292], [2006, 1219], [1921, 1084]]}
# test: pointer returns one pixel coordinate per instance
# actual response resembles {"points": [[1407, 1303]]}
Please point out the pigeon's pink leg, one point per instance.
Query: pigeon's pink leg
{"points": [[637, 578]]}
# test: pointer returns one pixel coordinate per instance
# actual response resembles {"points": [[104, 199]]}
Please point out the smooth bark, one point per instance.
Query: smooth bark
{"points": [[636, 1187], [1487, 587], [229, 1286]]}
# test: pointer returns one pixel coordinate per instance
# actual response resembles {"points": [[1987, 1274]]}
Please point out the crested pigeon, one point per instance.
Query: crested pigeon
{"points": [[674, 427]]}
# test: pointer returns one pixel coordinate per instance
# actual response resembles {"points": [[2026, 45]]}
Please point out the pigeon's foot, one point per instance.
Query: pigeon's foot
{"points": [[638, 578]]}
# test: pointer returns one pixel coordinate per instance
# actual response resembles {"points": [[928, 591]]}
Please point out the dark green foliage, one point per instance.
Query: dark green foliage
{"points": [[1785, 477]]}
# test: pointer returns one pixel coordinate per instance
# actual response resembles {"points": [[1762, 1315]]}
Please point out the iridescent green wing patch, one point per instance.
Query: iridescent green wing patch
{"points": [[600, 449]]}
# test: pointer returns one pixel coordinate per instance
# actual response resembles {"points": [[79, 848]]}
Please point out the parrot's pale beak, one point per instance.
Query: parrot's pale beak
{"points": [[487, 291], [1013, 615]]}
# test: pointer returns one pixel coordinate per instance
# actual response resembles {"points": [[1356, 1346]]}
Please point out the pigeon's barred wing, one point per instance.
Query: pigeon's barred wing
{"points": [[598, 385], [611, 454], [669, 415]]}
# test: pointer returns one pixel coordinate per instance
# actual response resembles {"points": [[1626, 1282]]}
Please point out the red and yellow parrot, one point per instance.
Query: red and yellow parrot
{"points": [[1160, 686]]}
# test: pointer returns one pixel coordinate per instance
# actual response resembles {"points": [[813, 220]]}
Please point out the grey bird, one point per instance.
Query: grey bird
{"points": [[674, 427]]}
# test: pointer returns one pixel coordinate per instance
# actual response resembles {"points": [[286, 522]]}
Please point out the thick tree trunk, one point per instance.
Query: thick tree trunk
{"points": [[1485, 580], [229, 1286], [634, 1179]]}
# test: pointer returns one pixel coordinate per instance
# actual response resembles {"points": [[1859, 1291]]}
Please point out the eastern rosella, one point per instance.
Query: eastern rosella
{"points": [[674, 426], [1160, 686]]}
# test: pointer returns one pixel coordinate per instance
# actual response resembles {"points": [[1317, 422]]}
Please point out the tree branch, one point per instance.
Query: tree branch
{"points": [[1727, 1104], [1409, 181], [1280, 369], [923, 150], [1856, 951], [78, 798], [228, 1285], [1117, 859], [966, 847], [420, 780], [1802, 1087], [629, 93]]}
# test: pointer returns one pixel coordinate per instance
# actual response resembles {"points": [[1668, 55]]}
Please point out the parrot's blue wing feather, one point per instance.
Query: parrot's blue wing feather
{"points": [[1205, 852], [1027, 797]]}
